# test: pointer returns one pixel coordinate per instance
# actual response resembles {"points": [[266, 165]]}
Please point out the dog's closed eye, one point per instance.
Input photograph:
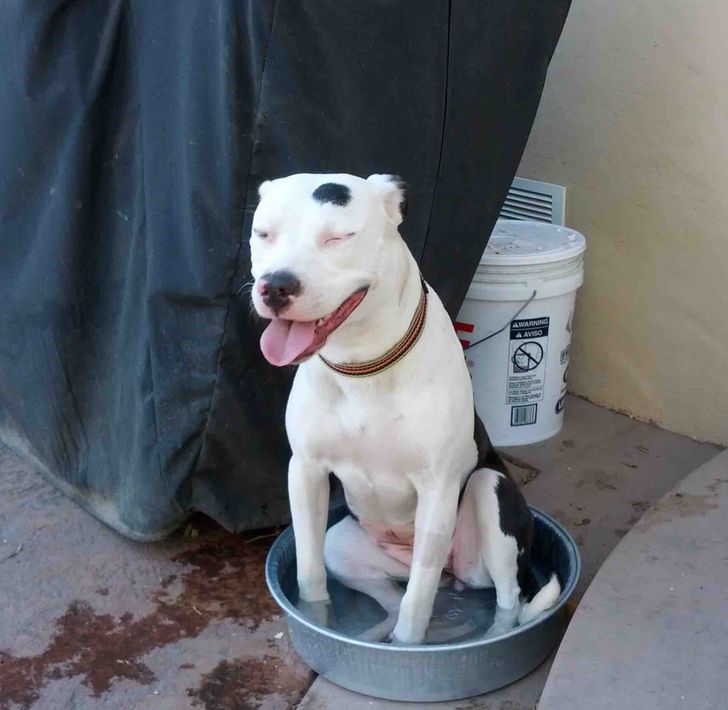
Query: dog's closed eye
{"points": [[260, 233], [338, 237]]}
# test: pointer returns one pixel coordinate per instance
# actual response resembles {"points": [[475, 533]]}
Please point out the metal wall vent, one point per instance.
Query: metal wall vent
{"points": [[535, 201]]}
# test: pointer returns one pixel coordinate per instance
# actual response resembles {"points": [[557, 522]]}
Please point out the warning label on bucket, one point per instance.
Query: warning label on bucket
{"points": [[527, 365], [529, 328]]}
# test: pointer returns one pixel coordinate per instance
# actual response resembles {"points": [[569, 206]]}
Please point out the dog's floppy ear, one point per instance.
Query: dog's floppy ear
{"points": [[393, 191]]}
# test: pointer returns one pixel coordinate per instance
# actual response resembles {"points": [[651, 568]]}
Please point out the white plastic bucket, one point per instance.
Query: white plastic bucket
{"points": [[525, 287]]}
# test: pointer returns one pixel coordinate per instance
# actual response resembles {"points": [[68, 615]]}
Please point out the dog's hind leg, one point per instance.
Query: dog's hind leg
{"points": [[505, 535], [356, 561], [498, 549], [479, 537]]}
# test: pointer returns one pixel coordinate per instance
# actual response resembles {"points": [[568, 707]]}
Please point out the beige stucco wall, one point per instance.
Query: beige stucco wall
{"points": [[634, 121]]}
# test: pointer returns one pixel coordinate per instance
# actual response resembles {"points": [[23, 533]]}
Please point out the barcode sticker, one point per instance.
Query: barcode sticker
{"points": [[520, 416]]}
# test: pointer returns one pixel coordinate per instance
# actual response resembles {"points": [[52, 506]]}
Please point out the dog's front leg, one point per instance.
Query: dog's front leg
{"points": [[308, 490], [434, 526]]}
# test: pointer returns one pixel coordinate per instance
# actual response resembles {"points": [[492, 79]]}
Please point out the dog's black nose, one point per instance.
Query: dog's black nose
{"points": [[277, 289]]}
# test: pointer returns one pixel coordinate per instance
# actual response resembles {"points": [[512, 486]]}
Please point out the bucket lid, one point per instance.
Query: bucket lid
{"points": [[516, 242]]}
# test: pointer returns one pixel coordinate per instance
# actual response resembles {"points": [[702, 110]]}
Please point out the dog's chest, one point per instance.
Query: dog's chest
{"points": [[371, 438], [373, 450]]}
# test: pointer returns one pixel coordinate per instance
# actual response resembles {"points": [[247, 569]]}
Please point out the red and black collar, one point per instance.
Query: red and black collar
{"points": [[394, 354]]}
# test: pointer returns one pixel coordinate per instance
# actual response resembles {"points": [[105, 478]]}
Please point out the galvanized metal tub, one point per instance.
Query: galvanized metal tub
{"points": [[430, 672]]}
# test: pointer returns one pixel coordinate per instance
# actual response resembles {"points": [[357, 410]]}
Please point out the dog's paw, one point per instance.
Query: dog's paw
{"points": [[393, 641], [399, 637]]}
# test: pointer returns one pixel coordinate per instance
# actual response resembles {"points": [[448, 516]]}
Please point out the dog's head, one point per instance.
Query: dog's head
{"points": [[316, 246]]}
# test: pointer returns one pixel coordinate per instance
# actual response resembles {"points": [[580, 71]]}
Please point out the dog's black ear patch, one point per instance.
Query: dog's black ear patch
{"points": [[333, 192], [404, 202]]}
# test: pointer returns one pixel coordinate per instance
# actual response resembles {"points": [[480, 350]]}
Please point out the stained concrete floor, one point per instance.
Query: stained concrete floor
{"points": [[90, 620]]}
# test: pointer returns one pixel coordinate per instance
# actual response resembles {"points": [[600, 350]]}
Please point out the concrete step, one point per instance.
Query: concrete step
{"points": [[652, 629]]}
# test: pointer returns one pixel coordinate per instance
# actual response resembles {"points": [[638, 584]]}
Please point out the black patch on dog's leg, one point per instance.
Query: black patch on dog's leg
{"points": [[514, 515], [526, 578], [515, 519], [333, 192]]}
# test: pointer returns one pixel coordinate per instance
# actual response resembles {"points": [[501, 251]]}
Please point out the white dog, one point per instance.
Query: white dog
{"points": [[383, 399]]}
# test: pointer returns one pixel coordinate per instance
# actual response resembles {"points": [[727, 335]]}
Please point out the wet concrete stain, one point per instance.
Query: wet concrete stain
{"points": [[243, 684], [221, 578]]}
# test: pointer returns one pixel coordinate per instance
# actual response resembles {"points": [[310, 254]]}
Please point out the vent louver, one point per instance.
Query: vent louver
{"points": [[535, 201]]}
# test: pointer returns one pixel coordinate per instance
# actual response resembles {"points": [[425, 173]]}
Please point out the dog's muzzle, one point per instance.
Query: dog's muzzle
{"points": [[278, 288]]}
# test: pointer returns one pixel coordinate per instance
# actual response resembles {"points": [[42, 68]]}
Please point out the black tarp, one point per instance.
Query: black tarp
{"points": [[133, 135]]}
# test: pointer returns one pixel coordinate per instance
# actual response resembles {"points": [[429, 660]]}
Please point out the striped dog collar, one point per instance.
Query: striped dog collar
{"points": [[394, 354]]}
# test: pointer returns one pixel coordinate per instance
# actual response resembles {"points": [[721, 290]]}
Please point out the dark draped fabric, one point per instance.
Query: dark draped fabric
{"points": [[133, 136]]}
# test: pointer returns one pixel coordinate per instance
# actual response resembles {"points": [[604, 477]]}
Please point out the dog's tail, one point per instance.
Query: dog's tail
{"points": [[544, 599]]}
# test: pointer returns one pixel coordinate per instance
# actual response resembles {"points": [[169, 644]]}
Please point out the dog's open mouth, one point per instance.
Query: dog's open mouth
{"points": [[286, 342]]}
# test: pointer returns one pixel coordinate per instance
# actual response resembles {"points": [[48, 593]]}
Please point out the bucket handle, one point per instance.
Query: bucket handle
{"points": [[508, 322]]}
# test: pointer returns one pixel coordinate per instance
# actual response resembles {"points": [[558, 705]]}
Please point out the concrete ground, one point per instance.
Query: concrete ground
{"points": [[91, 620]]}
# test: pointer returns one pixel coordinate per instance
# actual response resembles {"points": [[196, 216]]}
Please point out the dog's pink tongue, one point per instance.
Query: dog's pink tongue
{"points": [[283, 340]]}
